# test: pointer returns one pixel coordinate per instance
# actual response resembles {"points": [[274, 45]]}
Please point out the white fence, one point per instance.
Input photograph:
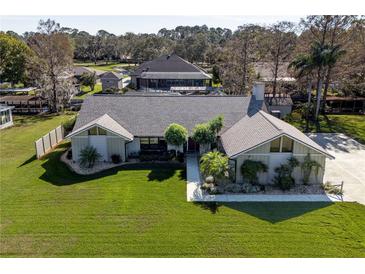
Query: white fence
{"points": [[44, 144]]}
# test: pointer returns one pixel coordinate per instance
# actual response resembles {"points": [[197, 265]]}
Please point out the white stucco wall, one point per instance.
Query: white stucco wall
{"points": [[134, 146], [78, 143], [114, 145]]}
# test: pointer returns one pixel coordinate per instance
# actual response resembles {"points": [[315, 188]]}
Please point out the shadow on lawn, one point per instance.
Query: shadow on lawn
{"points": [[28, 161], [161, 173], [57, 173], [275, 212]]}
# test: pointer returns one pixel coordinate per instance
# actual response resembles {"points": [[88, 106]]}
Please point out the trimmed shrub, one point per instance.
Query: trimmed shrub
{"points": [[176, 134], [203, 134], [250, 169]]}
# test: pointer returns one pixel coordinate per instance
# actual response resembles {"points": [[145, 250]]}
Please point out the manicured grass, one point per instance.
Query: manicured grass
{"points": [[351, 125], [88, 92], [106, 67], [141, 211]]}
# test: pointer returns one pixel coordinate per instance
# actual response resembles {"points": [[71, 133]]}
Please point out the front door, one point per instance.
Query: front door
{"points": [[99, 142], [192, 145]]}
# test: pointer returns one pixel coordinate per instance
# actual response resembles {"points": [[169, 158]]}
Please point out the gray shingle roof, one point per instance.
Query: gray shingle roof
{"points": [[172, 65], [279, 101], [150, 115], [175, 75], [254, 130], [111, 75]]}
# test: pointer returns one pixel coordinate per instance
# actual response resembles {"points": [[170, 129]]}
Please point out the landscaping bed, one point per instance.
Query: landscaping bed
{"points": [[231, 188], [97, 167]]}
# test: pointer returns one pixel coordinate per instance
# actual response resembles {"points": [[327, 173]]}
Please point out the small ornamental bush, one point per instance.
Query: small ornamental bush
{"points": [[88, 156], [284, 178], [214, 164], [307, 166], [216, 124], [250, 169], [203, 134], [176, 134]]}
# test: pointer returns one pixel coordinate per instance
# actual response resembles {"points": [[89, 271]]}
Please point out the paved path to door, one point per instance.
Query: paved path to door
{"points": [[195, 194], [348, 165]]}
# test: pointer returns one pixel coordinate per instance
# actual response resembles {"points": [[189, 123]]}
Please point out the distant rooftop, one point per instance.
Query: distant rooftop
{"points": [[170, 67]]}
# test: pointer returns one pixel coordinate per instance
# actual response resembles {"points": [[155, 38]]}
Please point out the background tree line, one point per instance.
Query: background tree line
{"points": [[324, 52]]}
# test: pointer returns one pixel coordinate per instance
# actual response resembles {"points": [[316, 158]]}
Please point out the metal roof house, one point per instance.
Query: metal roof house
{"points": [[129, 125], [169, 71]]}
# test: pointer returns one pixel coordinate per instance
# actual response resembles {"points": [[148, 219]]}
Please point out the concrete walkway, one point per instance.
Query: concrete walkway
{"points": [[195, 194], [348, 165]]}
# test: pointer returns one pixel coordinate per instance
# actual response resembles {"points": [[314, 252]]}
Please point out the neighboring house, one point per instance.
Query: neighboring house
{"points": [[6, 118], [129, 125], [169, 71], [111, 81], [25, 103], [78, 71], [354, 105], [264, 72], [280, 105]]}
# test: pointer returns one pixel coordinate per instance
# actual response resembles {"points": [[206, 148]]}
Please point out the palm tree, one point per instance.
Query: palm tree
{"points": [[320, 57], [304, 67]]}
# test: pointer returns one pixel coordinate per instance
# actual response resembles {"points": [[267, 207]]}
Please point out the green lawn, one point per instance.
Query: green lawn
{"points": [[351, 125], [87, 91], [141, 211], [106, 67]]}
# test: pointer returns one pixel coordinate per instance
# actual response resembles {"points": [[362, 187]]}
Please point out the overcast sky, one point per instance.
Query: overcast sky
{"points": [[137, 24]]}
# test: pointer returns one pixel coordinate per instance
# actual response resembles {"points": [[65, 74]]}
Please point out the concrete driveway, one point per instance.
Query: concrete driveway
{"points": [[348, 166]]}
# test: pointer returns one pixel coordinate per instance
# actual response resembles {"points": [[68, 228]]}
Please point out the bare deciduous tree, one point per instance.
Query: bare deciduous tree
{"points": [[52, 63], [239, 55], [280, 43]]}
